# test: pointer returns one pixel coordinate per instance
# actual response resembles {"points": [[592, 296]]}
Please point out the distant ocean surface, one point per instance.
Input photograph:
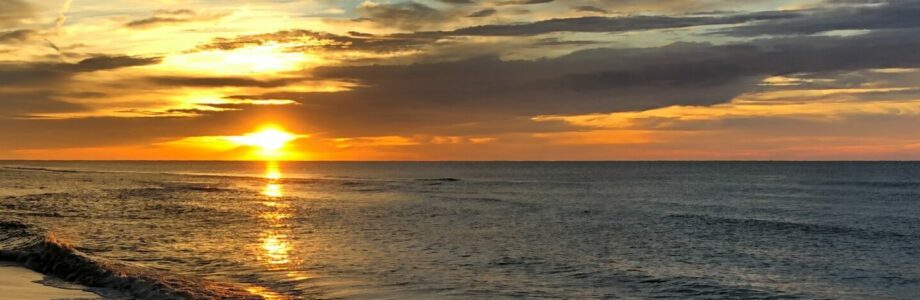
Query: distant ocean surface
{"points": [[469, 230]]}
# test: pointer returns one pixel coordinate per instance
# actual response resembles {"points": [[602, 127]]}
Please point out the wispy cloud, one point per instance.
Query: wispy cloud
{"points": [[171, 17]]}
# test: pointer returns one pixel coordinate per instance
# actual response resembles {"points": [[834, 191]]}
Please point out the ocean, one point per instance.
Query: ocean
{"points": [[468, 230]]}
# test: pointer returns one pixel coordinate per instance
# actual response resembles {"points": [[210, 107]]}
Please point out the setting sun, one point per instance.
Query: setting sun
{"points": [[269, 140]]}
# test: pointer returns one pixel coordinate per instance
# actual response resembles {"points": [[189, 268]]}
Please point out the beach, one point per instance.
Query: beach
{"points": [[17, 282]]}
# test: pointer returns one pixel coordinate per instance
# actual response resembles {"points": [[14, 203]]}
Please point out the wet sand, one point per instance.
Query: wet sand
{"points": [[20, 283]]}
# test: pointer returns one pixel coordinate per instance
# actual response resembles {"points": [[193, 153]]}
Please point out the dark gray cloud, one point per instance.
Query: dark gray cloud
{"points": [[17, 36], [312, 40], [588, 8], [154, 21], [307, 40], [464, 97], [14, 12], [177, 16], [459, 1], [407, 15], [604, 24], [482, 13], [22, 104], [667, 6], [889, 15], [93, 132], [46, 73], [176, 12], [551, 41], [855, 2], [48, 78], [98, 63], [523, 2]]}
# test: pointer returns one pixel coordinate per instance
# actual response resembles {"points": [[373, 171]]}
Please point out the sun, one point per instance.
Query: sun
{"points": [[269, 140]]}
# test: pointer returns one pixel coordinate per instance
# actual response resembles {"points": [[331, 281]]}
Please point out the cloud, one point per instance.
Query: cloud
{"points": [[14, 12], [668, 6], [551, 41], [87, 132], [889, 15], [482, 95], [176, 12], [98, 63], [45, 73], [169, 17], [299, 40], [590, 9], [45, 84], [221, 81], [43, 133], [482, 13], [458, 96], [523, 2], [604, 24], [22, 104], [61, 18], [17, 36], [407, 15]]}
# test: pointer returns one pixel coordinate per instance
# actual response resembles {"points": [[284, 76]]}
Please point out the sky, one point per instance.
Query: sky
{"points": [[460, 79]]}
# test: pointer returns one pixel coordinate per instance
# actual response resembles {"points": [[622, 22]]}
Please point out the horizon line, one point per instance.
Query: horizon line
{"points": [[452, 161]]}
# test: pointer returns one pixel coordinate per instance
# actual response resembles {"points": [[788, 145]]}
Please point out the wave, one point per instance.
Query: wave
{"points": [[41, 169], [642, 285], [44, 253], [871, 184], [757, 225], [444, 179]]}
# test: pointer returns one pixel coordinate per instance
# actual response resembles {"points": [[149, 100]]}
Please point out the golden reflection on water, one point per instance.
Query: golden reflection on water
{"points": [[275, 204], [274, 248], [264, 293], [275, 217], [273, 171], [277, 249], [274, 245], [273, 190]]}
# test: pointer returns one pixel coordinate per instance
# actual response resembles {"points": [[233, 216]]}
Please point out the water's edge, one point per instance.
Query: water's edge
{"points": [[40, 251]]}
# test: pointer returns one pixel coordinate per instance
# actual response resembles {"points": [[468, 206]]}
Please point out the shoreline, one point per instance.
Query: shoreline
{"points": [[19, 282]]}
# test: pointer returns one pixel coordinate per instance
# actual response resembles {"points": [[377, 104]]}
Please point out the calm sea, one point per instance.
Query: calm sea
{"points": [[480, 230]]}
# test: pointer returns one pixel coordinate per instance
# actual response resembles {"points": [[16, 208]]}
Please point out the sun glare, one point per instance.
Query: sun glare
{"points": [[260, 59], [269, 140]]}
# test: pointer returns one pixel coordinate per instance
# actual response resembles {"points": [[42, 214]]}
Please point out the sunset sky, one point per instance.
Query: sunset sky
{"points": [[460, 79]]}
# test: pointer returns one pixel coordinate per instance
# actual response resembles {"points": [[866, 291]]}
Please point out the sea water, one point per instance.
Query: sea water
{"points": [[471, 230]]}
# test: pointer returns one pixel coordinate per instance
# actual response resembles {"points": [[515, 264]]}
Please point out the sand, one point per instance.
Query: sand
{"points": [[20, 283]]}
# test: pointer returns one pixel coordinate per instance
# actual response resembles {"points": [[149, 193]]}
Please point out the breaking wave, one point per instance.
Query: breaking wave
{"points": [[44, 253]]}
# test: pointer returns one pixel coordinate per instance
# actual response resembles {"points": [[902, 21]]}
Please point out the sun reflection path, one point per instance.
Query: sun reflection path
{"points": [[272, 171], [277, 249], [273, 188], [265, 293], [274, 246]]}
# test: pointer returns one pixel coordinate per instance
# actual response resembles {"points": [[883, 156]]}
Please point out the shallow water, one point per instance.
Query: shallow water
{"points": [[491, 230]]}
